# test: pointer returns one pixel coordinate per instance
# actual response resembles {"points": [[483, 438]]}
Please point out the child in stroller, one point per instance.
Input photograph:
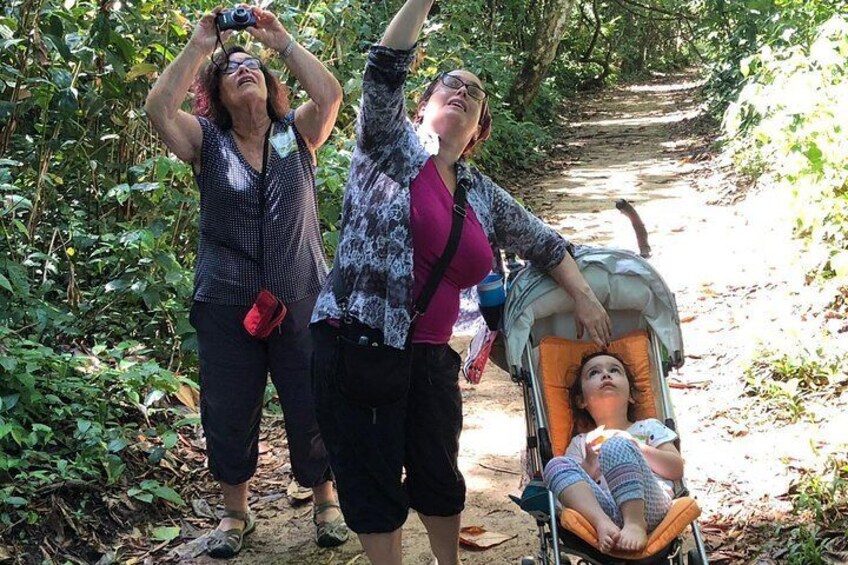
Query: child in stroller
{"points": [[619, 476]]}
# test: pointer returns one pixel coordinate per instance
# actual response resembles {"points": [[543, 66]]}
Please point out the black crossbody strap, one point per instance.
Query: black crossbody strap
{"points": [[438, 272], [451, 246], [262, 197]]}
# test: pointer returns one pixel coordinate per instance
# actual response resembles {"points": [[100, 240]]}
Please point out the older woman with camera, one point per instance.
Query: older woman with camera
{"points": [[418, 226], [260, 260]]}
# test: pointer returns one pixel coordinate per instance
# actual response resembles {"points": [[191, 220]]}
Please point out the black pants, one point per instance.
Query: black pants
{"points": [[370, 449], [234, 370]]}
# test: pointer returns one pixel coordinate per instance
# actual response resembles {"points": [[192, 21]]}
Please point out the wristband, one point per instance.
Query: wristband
{"points": [[286, 51]]}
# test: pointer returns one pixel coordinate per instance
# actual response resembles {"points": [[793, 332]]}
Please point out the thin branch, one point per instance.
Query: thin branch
{"points": [[596, 32], [499, 469], [622, 4], [650, 8], [691, 41], [69, 484]]}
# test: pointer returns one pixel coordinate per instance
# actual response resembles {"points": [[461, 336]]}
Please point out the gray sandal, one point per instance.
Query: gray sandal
{"points": [[332, 533], [224, 544]]}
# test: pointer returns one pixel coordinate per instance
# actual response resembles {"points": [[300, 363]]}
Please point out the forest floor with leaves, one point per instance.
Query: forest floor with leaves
{"points": [[725, 250]]}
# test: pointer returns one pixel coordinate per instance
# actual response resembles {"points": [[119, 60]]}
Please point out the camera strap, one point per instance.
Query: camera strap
{"points": [[262, 197], [221, 43]]}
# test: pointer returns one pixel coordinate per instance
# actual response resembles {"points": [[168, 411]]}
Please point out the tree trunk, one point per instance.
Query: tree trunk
{"points": [[542, 53], [596, 33]]}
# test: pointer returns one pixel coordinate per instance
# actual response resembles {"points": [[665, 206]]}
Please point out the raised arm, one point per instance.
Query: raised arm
{"points": [[314, 119], [405, 27], [180, 130], [382, 120]]}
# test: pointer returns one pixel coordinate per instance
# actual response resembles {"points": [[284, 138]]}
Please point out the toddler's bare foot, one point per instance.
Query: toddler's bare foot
{"points": [[608, 534], [634, 537]]}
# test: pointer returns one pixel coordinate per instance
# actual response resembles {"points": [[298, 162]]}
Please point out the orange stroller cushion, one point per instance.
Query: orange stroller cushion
{"points": [[683, 512], [559, 359]]}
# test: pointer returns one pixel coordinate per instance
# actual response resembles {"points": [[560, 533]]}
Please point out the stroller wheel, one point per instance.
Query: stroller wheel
{"points": [[694, 558]]}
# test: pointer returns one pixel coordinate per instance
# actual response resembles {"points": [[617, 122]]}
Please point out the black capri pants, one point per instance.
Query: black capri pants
{"points": [[234, 370], [370, 449]]}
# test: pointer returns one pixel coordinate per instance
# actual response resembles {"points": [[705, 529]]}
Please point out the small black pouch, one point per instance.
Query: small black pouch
{"points": [[371, 373]]}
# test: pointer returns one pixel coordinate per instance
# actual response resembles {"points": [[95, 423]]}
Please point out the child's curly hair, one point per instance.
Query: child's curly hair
{"points": [[583, 421]]}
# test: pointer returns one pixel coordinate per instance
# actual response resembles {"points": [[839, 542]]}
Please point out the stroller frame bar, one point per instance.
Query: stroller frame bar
{"points": [[668, 417], [536, 433]]}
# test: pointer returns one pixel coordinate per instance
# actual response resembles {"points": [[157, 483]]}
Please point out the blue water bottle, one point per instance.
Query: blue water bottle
{"points": [[491, 295]]}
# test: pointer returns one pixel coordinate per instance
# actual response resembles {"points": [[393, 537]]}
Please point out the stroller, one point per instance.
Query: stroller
{"points": [[541, 353]]}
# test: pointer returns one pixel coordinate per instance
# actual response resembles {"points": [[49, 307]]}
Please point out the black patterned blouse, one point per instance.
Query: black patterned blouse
{"points": [[375, 249], [228, 263]]}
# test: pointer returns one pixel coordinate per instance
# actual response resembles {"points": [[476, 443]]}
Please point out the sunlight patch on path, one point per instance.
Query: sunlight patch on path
{"points": [[642, 121], [675, 87]]}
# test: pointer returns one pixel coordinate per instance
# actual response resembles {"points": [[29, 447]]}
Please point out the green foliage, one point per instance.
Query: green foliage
{"points": [[627, 39], [822, 499], [804, 547], [779, 77], [333, 163], [508, 147], [824, 494], [788, 122], [77, 418], [731, 31], [791, 376]]}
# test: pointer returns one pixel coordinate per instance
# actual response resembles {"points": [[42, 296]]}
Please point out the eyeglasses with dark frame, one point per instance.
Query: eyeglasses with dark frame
{"points": [[233, 66], [455, 83]]}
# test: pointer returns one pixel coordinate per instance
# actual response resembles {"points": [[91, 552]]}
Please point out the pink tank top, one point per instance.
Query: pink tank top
{"points": [[431, 212]]}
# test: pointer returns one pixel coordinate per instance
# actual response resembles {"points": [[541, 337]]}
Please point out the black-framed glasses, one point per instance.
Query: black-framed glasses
{"points": [[455, 83], [250, 63]]}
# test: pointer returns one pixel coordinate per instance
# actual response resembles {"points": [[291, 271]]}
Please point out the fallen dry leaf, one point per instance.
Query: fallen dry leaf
{"points": [[298, 493], [202, 509], [189, 396], [687, 385], [728, 557], [478, 537]]}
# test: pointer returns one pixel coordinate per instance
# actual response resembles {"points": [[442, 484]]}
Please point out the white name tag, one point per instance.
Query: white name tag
{"points": [[284, 142]]}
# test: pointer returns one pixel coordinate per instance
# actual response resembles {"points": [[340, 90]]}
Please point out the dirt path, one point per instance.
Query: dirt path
{"points": [[730, 267]]}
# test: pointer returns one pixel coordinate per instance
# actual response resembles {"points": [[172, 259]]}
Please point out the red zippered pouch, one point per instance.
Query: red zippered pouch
{"points": [[267, 313]]}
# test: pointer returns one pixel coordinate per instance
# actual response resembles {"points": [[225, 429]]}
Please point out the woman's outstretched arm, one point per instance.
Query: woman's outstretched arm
{"points": [[405, 27], [179, 130], [589, 315], [315, 118]]}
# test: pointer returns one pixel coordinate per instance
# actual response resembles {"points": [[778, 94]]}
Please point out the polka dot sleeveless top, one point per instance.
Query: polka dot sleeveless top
{"points": [[229, 268]]}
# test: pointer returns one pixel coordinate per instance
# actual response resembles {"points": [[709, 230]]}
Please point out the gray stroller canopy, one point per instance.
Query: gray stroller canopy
{"points": [[620, 279]]}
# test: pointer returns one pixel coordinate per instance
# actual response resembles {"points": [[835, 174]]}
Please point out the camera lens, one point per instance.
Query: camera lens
{"points": [[240, 15]]}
